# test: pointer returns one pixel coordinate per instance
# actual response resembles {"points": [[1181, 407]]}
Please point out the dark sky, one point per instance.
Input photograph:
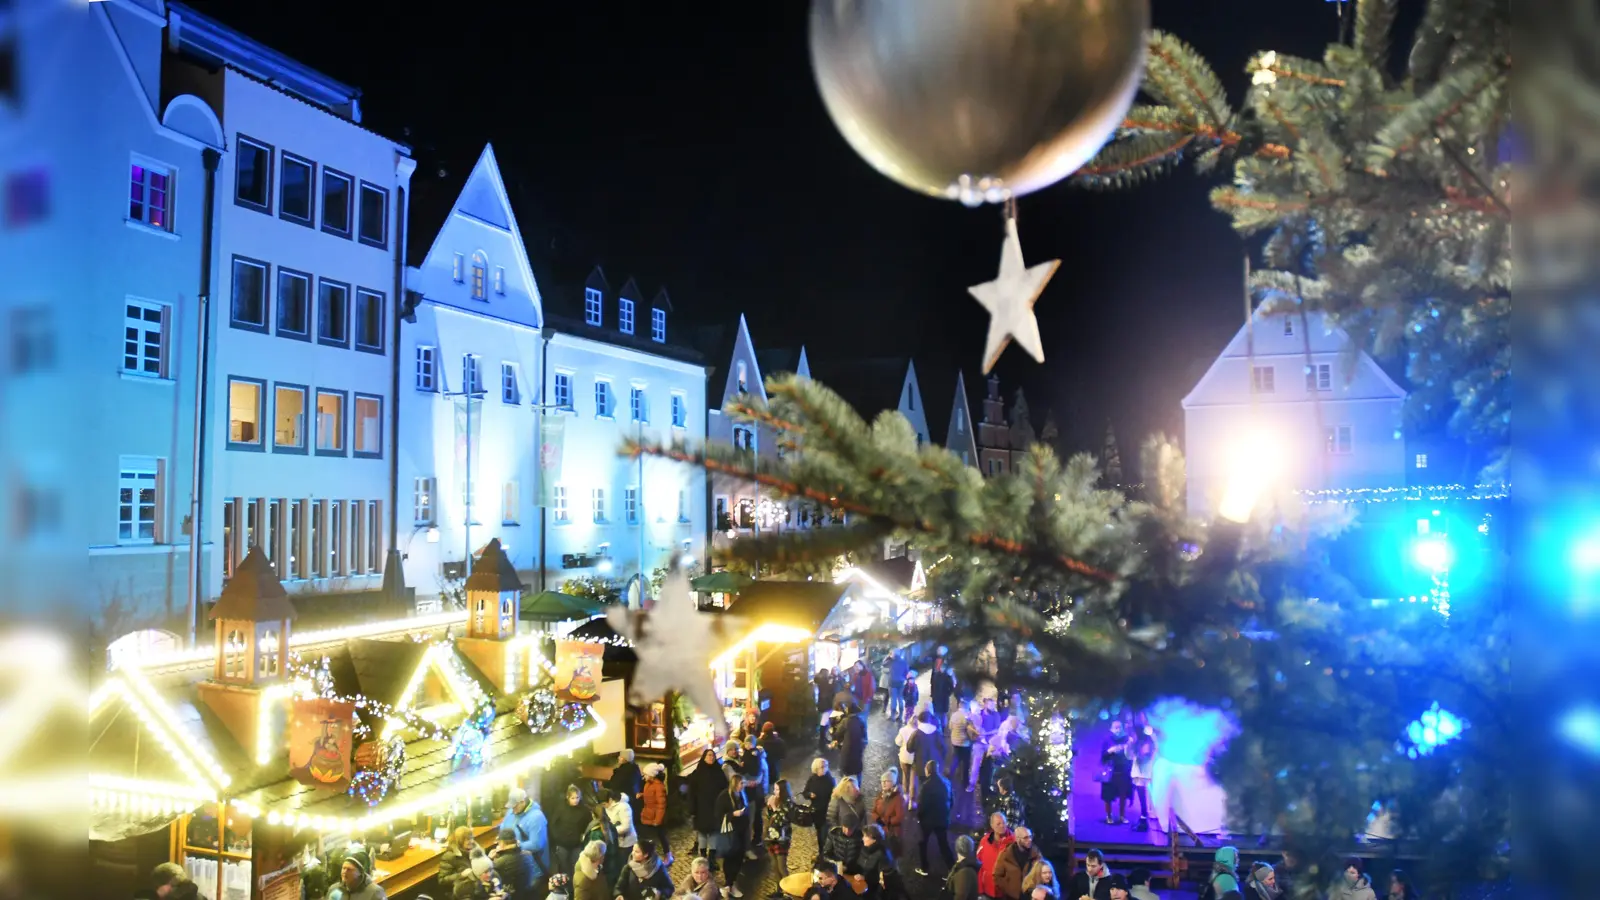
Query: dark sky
{"points": [[686, 144]]}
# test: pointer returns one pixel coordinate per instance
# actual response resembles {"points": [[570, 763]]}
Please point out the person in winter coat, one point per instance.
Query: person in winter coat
{"points": [[734, 838], [1400, 887], [889, 808], [908, 757], [876, 864], [1116, 756], [706, 783], [568, 821], [1139, 885], [702, 883], [514, 866], [456, 859], [824, 684], [847, 812], [1224, 875], [644, 872], [653, 809], [355, 880], [862, 685], [1093, 880], [754, 769], [1120, 890], [1042, 875], [749, 727], [852, 739], [933, 818], [589, 880], [906, 695], [620, 812], [927, 746], [994, 843], [1006, 801], [774, 746], [960, 733], [962, 882], [779, 814], [1352, 883], [627, 779], [525, 817], [898, 667], [1013, 863], [941, 687], [817, 792]]}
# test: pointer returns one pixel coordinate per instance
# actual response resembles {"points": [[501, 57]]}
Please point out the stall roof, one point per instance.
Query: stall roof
{"points": [[896, 574], [800, 604]]}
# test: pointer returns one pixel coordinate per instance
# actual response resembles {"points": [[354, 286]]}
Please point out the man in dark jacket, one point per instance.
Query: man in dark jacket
{"points": [[824, 880], [1093, 880], [514, 866], [933, 817], [851, 736], [627, 780], [569, 819], [940, 688], [962, 882]]}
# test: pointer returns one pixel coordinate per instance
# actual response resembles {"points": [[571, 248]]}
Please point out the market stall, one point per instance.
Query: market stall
{"points": [[261, 760]]}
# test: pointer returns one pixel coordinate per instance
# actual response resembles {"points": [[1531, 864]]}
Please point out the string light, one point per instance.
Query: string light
{"points": [[1401, 494]]}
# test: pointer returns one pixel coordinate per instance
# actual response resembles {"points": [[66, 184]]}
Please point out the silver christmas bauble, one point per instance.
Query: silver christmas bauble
{"points": [[978, 100]]}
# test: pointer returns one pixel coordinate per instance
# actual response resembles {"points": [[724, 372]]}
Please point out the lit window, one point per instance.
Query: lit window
{"points": [[244, 413], [658, 325], [144, 339], [458, 268], [427, 369], [288, 418], [1319, 377], [597, 501], [480, 275], [1263, 379], [680, 411], [625, 316], [150, 200], [743, 381], [330, 423], [508, 383], [368, 430], [637, 405], [1340, 439], [961, 421], [422, 500], [591, 306], [138, 500], [1422, 460], [563, 391]]}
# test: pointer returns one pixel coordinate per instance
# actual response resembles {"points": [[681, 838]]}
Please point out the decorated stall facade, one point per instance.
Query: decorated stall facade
{"points": [[271, 750]]}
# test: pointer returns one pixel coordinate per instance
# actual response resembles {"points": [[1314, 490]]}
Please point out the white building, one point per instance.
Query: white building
{"points": [[1332, 422], [103, 175], [603, 365], [308, 267]]}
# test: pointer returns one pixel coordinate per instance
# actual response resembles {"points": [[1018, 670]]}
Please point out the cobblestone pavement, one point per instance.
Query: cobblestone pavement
{"points": [[760, 879]]}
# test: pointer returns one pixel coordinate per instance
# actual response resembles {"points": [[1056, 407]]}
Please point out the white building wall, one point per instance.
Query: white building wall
{"points": [[743, 376], [1359, 406], [312, 479]]}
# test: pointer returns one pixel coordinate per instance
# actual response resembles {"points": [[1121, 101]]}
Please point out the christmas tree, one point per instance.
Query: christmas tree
{"points": [[1383, 194], [1111, 459], [1021, 421]]}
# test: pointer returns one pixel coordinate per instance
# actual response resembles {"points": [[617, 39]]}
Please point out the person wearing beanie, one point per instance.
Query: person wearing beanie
{"points": [[1119, 888], [962, 881], [1352, 883], [513, 866], [1139, 885], [1224, 873], [653, 810], [1263, 883], [355, 879]]}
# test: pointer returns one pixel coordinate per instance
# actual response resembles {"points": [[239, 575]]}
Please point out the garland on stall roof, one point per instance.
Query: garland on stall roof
{"points": [[375, 777], [320, 681], [543, 712]]}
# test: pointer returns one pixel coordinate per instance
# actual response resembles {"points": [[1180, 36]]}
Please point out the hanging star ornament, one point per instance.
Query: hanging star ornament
{"points": [[1010, 298], [675, 643]]}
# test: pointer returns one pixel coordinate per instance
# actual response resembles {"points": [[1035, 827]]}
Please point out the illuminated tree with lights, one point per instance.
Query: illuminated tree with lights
{"points": [[1080, 597], [1384, 198]]}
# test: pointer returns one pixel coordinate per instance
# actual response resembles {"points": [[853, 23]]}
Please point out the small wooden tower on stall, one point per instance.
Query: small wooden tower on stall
{"points": [[494, 595], [252, 616]]}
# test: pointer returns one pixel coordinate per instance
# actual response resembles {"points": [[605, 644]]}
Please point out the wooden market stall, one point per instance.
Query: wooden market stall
{"points": [[271, 749]]}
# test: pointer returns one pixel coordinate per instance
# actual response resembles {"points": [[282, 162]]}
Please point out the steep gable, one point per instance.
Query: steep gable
{"points": [[960, 437], [911, 405], [1279, 343], [743, 361]]}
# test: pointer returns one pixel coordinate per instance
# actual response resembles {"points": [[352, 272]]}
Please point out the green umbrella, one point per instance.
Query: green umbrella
{"points": [[554, 606], [720, 583]]}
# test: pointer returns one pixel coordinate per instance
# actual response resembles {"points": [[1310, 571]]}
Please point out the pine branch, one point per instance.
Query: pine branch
{"points": [[1374, 22], [1428, 114]]}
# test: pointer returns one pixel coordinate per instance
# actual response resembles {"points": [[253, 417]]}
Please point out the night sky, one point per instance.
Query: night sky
{"points": [[685, 144]]}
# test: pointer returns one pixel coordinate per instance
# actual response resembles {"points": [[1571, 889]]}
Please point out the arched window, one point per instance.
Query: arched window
{"points": [[480, 275], [233, 654], [267, 654]]}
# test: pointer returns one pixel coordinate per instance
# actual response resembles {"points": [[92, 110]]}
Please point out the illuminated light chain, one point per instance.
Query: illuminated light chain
{"points": [[371, 785], [1058, 753], [205, 653], [1401, 494], [319, 681], [158, 716]]}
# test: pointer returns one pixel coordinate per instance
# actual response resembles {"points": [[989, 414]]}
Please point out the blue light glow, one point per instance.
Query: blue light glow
{"points": [[1580, 727], [1187, 734], [1433, 729]]}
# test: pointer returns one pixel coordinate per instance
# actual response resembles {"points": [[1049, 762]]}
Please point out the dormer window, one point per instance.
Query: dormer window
{"points": [[591, 306], [480, 276], [658, 325], [743, 382], [625, 316]]}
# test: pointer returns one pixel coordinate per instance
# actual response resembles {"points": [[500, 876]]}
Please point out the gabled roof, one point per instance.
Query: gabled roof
{"points": [[869, 385], [254, 593], [1326, 344], [661, 300]]}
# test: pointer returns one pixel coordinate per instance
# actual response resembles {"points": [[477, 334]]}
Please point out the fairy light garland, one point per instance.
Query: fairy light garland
{"points": [[1415, 493]]}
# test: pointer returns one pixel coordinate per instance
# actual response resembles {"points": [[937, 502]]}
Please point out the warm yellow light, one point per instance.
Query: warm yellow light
{"points": [[1253, 465], [767, 633]]}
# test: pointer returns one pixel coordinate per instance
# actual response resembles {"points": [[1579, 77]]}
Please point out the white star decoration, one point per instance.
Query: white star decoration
{"points": [[675, 643], [1010, 298]]}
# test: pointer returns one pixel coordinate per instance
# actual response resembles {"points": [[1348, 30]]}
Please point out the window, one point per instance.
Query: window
{"points": [[333, 312], [965, 460], [369, 320], [559, 504], [150, 197], [743, 438], [375, 537], [563, 391], [680, 411], [319, 536], [337, 196], [33, 344], [723, 523], [374, 215], [499, 279], [138, 500], [638, 406], [296, 180], [744, 386], [249, 304], [330, 423], [288, 418], [297, 516], [602, 398], [244, 413], [458, 268], [252, 174], [1319, 377], [1340, 439], [27, 197], [961, 421], [591, 306], [597, 502], [683, 506], [625, 316], [294, 304], [335, 537], [422, 500], [994, 467], [144, 338], [368, 434], [1262, 379], [911, 399], [630, 504], [658, 325], [427, 369], [471, 374], [1288, 327], [1422, 460], [480, 276], [508, 383], [510, 503]]}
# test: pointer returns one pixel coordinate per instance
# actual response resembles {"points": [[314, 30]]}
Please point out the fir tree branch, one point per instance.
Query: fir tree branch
{"points": [[1374, 21]]}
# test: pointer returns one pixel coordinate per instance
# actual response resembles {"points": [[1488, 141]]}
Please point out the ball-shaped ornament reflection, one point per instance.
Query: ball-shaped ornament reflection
{"points": [[978, 100]]}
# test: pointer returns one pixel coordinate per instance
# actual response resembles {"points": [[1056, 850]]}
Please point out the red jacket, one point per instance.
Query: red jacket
{"points": [[655, 802], [989, 851], [862, 686]]}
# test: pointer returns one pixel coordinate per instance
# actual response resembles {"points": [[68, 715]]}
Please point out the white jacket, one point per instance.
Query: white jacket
{"points": [[903, 741], [621, 816]]}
